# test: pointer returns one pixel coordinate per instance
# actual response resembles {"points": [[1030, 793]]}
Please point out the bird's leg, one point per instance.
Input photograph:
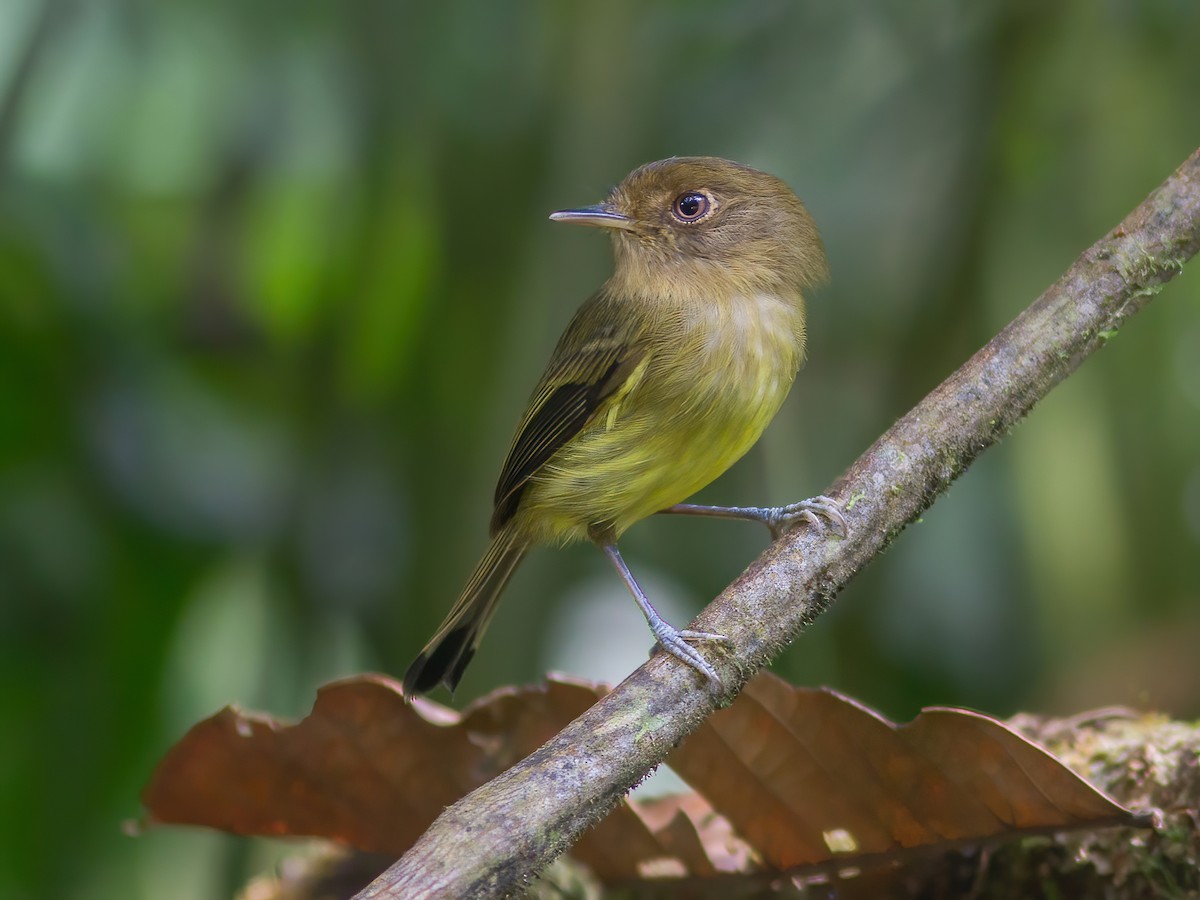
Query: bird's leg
{"points": [[817, 511], [671, 639]]}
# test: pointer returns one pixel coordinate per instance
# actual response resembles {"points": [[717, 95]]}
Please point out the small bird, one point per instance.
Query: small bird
{"points": [[664, 378]]}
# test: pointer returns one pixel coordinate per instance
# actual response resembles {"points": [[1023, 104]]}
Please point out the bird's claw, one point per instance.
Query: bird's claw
{"points": [[820, 512], [675, 642], [689, 635]]}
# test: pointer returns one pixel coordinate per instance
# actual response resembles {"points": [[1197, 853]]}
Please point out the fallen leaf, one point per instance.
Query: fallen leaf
{"points": [[787, 780], [809, 776], [364, 768], [690, 830]]}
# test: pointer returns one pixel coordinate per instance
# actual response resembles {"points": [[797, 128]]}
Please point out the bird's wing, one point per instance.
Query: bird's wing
{"points": [[592, 362]]}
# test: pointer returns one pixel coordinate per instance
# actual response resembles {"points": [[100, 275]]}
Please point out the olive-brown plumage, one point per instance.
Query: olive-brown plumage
{"points": [[663, 378]]}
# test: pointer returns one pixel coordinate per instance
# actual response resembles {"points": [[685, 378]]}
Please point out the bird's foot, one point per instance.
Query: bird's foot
{"points": [[675, 642], [820, 512]]}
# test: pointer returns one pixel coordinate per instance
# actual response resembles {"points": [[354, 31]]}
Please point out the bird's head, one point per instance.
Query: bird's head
{"points": [[701, 224]]}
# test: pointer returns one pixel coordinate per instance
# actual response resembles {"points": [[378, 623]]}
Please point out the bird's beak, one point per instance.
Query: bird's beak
{"points": [[602, 214]]}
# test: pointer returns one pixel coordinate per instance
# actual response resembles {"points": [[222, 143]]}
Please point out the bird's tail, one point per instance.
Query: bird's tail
{"points": [[452, 646]]}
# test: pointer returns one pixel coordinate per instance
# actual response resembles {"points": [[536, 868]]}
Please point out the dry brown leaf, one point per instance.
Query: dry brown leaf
{"points": [[619, 845], [785, 778], [365, 767], [807, 776], [371, 771], [695, 835]]}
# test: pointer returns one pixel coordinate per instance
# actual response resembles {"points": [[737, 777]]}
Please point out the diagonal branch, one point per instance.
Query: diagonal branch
{"points": [[495, 840]]}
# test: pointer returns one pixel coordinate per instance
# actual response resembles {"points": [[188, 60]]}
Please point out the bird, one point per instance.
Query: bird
{"points": [[663, 378]]}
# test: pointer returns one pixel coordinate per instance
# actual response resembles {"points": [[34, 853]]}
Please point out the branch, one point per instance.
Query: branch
{"points": [[499, 837]]}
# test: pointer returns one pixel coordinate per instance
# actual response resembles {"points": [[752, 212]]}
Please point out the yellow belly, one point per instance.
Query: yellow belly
{"points": [[702, 401]]}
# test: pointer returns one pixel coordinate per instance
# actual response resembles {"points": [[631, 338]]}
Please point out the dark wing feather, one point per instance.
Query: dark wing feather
{"points": [[589, 365]]}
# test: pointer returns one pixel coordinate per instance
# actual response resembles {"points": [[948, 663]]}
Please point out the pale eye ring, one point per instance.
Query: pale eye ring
{"points": [[691, 206]]}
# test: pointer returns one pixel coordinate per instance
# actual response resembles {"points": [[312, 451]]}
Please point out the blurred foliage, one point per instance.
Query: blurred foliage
{"points": [[276, 278]]}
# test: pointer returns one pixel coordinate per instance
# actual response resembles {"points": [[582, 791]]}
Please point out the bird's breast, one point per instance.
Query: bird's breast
{"points": [[747, 350], [711, 382]]}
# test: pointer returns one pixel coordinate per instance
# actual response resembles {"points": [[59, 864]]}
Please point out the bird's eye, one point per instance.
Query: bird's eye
{"points": [[691, 206]]}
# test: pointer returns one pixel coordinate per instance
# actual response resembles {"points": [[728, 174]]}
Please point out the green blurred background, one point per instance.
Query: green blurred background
{"points": [[276, 278]]}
